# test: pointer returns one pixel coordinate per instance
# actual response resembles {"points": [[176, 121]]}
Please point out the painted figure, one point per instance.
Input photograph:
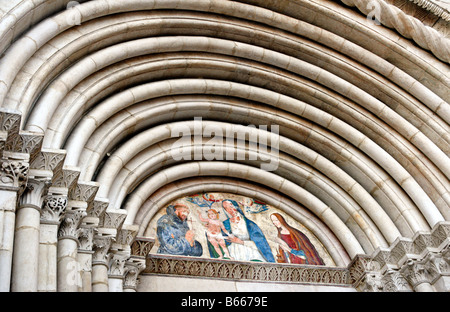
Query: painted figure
{"points": [[248, 242], [214, 230], [174, 234], [294, 246]]}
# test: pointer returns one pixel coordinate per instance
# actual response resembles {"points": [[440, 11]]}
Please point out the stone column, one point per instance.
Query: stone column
{"points": [[85, 258], [13, 176], [68, 269], [100, 261], [53, 211], [26, 240]]}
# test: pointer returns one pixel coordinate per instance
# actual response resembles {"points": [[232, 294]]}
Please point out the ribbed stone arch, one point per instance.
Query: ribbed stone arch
{"points": [[83, 42], [186, 187], [114, 104], [363, 111], [252, 174], [47, 104], [388, 196], [359, 219], [149, 161], [94, 9]]}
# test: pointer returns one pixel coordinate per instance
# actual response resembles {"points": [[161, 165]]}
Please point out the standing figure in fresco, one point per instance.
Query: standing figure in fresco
{"points": [[214, 229], [174, 234], [247, 242], [294, 246]]}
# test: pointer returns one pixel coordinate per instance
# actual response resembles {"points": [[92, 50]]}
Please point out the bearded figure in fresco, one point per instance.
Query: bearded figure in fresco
{"points": [[294, 246], [174, 235], [247, 242]]}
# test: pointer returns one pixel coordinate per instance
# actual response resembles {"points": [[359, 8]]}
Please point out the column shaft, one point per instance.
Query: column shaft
{"points": [[100, 277], [8, 201], [48, 254], [68, 272], [26, 250]]}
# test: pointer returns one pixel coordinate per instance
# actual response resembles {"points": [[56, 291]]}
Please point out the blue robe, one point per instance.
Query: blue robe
{"points": [[171, 232], [256, 235]]}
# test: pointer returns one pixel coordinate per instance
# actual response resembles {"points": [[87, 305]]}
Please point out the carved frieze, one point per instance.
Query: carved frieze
{"points": [[246, 271]]}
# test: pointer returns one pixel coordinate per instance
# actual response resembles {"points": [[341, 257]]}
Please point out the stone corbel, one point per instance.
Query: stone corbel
{"points": [[141, 247], [125, 237], [112, 220]]}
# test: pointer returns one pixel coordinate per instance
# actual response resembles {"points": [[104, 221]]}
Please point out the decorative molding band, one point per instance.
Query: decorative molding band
{"points": [[434, 8], [246, 271], [408, 26]]}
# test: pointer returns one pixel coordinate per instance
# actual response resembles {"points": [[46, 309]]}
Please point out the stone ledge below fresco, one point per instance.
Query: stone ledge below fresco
{"points": [[246, 271]]}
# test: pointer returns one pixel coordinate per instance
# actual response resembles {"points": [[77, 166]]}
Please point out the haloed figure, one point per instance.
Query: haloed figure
{"points": [[294, 246]]}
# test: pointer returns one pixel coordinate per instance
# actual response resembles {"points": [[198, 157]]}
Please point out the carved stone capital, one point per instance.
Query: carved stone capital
{"points": [[101, 249], [117, 267], [67, 179], [35, 192], [133, 268], [393, 281], [53, 209], [86, 239], [125, 236], [69, 227], [13, 174], [417, 273], [372, 282]]}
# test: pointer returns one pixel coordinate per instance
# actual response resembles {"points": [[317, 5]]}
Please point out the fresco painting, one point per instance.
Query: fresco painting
{"points": [[234, 227]]}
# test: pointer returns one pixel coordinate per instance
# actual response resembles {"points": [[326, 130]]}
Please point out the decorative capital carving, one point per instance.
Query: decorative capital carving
{"points": [[67, 179], [13, 174], [86, 239], [25, 143], [101, 249], [372, 282], [53, 209], [84, 192], [35, 192], [133, 269], [69, 227], [113, 219], [49, 160], [417, 273], [117, 265], [393, 281], [98, 208], [141, 247], [126, 235]]}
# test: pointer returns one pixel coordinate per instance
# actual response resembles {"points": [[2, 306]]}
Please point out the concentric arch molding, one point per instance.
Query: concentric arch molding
{"points": [[246, 271]]}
